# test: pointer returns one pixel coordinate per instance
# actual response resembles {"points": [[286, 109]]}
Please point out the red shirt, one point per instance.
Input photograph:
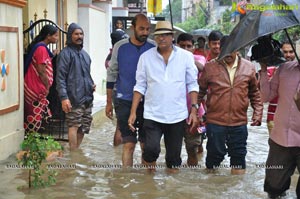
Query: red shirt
{"points": [[200, 52]]}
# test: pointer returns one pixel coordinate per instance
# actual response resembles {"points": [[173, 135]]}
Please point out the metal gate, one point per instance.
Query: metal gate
{"points": [[55, 126]]}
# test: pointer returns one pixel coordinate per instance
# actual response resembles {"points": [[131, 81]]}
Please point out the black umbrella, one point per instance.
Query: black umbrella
{"points": [[278, 15]]}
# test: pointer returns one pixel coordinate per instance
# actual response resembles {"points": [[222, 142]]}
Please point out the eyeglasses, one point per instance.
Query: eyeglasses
{"points": [[163, 35]]}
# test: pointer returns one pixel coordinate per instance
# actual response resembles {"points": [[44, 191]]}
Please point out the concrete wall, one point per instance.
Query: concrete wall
{"points": [[95, 18], [96, 41], [95, 21], [120, 11], [11, 41], [71, 14], [38, 7]]}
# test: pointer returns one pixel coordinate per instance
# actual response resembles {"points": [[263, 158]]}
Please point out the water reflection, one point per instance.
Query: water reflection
{"points": [[96, 174]]}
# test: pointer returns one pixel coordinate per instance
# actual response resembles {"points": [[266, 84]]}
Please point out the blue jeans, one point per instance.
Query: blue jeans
{"points": [[226, 139]]}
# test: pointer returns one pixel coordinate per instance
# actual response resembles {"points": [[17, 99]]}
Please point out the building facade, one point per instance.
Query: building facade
{"points": [[94, 16]]}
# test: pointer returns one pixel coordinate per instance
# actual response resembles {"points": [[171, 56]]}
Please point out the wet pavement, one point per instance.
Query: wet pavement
{"points": [[94, 172]]}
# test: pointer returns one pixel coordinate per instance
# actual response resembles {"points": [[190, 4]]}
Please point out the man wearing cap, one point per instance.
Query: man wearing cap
{"points": [[164, 74], [75, 86], [121, 71]]}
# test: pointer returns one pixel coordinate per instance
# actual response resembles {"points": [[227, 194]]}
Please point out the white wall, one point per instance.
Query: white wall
{"points": [[71, 14], [120, 12], [96, 41], [107, 8], [11, 124]]}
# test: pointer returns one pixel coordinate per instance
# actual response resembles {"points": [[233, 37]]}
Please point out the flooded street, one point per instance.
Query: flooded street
{"points": [[95, 173]]}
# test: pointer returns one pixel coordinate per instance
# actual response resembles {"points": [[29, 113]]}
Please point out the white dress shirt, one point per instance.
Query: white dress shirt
{"points": [[165, 85]]}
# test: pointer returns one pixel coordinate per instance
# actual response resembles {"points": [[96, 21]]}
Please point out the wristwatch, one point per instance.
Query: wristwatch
{"points": [[196, 106]]}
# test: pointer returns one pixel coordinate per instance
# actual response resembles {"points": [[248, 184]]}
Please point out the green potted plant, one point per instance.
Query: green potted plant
{"points": [[35, 150]]}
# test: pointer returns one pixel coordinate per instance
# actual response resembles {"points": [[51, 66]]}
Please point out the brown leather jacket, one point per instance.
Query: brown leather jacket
{"points": [[227, 104]]}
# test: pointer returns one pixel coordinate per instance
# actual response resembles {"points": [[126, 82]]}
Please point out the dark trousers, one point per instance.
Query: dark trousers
{"points": [[226, 139], [122, 108], [280, 166], [173, 135]]}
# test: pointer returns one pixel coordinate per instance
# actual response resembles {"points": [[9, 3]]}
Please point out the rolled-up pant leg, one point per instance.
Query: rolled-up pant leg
{"points": [[192, 140]]}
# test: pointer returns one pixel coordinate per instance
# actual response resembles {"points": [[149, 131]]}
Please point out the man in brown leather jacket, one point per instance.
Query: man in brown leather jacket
{"points": [[230, 84]]}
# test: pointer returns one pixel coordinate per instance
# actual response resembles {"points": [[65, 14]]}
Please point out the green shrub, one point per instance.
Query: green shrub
{"points": [[36, 148]]}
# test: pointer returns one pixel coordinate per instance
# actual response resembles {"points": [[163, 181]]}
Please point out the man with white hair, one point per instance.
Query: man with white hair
{"points": [[163, 75]]}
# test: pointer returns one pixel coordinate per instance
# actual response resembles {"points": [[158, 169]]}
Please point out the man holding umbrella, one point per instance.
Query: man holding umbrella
{"points": [[289, 55], [229, 84], [284, 152]]}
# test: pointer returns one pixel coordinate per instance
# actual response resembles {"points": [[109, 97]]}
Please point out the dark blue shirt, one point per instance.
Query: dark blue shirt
{"points": [[123, 65]]}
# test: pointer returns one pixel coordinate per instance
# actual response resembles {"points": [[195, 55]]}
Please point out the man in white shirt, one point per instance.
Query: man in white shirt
{"points": [[163, 75]]}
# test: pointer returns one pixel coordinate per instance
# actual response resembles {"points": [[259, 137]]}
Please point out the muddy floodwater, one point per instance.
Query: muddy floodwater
{"points": [[94, 172]]}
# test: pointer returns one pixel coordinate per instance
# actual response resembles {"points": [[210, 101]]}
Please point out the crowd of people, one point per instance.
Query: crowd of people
{"points": [[175, 90], [74, 83]]}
